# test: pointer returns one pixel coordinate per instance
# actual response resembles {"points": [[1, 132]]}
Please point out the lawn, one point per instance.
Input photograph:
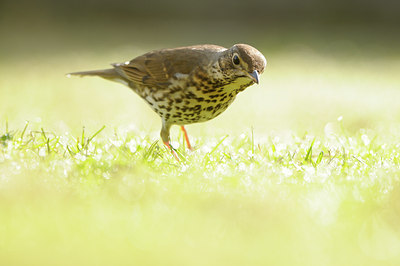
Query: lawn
{"points": [[303, 169]]}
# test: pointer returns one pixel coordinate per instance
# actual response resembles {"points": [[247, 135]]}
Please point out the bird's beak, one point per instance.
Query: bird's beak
{"points": [[254, 76]]}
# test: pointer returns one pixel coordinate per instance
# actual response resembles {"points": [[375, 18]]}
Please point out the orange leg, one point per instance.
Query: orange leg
{"points": [[172, 150], [186, 138]]}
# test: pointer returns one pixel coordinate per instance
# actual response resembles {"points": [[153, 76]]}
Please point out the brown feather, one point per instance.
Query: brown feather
{"points": [[157, 67]]}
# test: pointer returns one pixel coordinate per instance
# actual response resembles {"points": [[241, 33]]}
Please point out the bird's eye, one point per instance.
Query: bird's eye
{"points": [[235, 59]]}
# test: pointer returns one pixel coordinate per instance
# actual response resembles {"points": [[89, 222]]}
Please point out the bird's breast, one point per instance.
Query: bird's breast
{"points": [[186, 102]]}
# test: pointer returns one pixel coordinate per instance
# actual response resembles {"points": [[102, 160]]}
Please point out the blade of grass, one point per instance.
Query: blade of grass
{"points": [[83, 137], [309, 151], [272, 145], [319, 159], [218, 144], [95, 134], [24, 130], [70, 152], [43, 133], [151, 151], [48, 146]]}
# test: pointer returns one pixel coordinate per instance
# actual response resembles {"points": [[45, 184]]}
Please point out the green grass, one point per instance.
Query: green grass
{"points": [[123, 198], [303, 169]]}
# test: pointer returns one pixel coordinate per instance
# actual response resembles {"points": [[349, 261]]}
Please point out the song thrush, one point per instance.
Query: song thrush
{"points": [[188, 84]]}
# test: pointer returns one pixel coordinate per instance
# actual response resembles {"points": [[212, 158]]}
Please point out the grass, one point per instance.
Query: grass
{"points": [[123, 198], [301, 170]]}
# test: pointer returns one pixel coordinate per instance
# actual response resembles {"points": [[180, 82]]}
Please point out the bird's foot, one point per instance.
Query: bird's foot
{"points": [[172, 150]]}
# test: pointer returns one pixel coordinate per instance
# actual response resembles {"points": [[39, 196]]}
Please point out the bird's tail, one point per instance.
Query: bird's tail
{"points": [[110, 73]]}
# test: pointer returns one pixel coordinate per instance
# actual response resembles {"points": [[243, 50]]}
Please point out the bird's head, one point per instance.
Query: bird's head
{"points": [[242, 60]]}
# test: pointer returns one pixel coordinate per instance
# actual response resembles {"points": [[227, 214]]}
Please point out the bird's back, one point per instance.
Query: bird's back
{"points": [[157, 69]]}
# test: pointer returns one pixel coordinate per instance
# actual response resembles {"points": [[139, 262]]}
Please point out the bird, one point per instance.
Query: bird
{"points": [[190, 84]]}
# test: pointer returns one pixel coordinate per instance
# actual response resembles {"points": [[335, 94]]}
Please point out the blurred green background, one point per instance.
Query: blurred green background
{"points": [[326, 59]]}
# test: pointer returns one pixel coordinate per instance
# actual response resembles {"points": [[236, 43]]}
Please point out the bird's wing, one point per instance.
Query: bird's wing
{"points": [[156, 68]]}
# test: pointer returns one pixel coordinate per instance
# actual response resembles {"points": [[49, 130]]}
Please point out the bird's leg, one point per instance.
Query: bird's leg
{"points": [[186, 138], [165, 138]]}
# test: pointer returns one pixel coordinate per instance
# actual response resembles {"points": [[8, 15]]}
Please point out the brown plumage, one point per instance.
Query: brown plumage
{"points": [[188, 84]]}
